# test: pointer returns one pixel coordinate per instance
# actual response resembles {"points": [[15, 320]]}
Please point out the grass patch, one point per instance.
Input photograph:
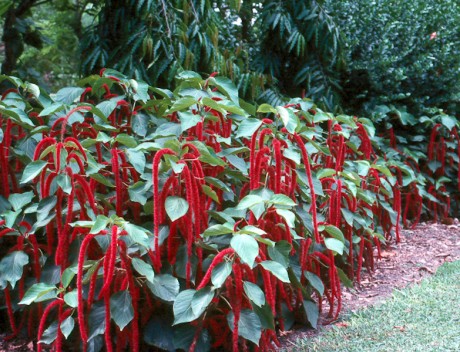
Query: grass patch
{"points": [[425, 317]]}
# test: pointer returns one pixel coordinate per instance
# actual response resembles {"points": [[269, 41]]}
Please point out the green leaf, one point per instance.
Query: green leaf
{"points": [[106, 107], [67, 276], [448, 121], [276, 269], [36, 291], [138, 192], [50, 334], [12, 266], [65, 183], [32, 170], [71, 299], [210, 193], [143, 268], [181, 104], [290, 120], [325, 173], [137, 234], [68, 95], [315, 281], [220, 273], [100, 224], [248, 127], [312, 312], [226, 86], [249, 201], [137, 159], [281, 199], [96, 320], [19, 200], [254, 293], [126, 140], [183, 311], [188, 120], [67, 326], [280, 252], [176, 207], [246, 247], [217, 230], [334, 245], [249, 325], [165, 287], [288, 215], [201, 301], [335, 232], [121, 308], [266, 108]]}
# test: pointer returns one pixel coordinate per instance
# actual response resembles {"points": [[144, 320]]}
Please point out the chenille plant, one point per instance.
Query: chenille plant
{"points": [[134, 216]]}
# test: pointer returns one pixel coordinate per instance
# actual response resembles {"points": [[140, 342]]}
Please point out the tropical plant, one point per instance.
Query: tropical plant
{"points": [[223, 221]]}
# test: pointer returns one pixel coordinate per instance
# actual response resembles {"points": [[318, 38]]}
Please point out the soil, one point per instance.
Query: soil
{"points": [[419, 254]]}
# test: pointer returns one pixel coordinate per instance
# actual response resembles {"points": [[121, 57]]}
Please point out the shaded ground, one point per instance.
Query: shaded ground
{"points": [[419, 254]]}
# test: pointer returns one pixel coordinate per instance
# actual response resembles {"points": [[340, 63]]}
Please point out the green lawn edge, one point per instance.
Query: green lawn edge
{"points": [[424, 317]]}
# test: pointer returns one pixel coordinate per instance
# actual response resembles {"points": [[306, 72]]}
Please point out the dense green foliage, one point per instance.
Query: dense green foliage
{"points": [[227, 220], [405, 53]]}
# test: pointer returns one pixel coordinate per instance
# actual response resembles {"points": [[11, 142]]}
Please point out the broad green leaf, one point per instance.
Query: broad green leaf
{"points": [[126, 140], [248, 127], [165, 287], [50, 334], [288, 215], [254, 293], [68, 95], [32, 170], [201, 300], [143, 268], [315, 281], [96, 320], [121, 308], [290, 120], [65, 183], [325, 173], [335, 232], [36, 291], [280, 252], [312, 312], [281, 199], [176, 207], [71, 299], [19, 200], [137, 234], [136, 159], [249, 325], [246, 247], [249, 201], [226, 86], [266, 108], [334, 245], [100, 224], [220, 273], [188, 120], [106, 107], [67, 326], [12, 266], [276, 269], [217, 230], [210, 193], [448, 121], [182, 104], [183, 311]]}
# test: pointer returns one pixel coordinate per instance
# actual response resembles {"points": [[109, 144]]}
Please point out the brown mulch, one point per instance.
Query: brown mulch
{"points": [[419, 254]]}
